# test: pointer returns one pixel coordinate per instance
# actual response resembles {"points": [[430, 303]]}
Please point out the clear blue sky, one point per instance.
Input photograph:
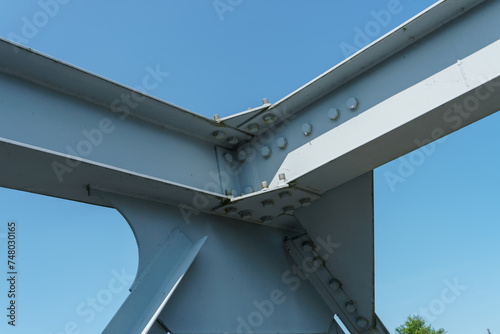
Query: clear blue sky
{"points": [[438, 228]]}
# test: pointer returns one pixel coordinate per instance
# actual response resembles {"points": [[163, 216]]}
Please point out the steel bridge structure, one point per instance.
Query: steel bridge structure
{"points": [[261, 222]]}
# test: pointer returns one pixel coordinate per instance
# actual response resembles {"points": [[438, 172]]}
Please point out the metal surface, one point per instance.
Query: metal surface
{"points": [[297, 170]]}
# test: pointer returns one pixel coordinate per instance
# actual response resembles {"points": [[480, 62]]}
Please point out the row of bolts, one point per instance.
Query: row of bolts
{"points": [[334, 284], [333, 114]]}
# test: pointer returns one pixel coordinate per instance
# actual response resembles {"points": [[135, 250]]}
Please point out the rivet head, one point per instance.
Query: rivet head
{"points": [[268, 203], [306, 129], [231, 211], [333, 113], [352, 103], [248, 190], [233, 140], [242, 156], [266, 151], [318, 262], [282, 176], [334, 284], [246, 214], [289, 210], [265, 185], [216, 117], [267, 219], [350, 307], [305, 202], [228, 158], [253, 128], [265, 100], [228, 192], [218, 134], [362, 322], [282, 142], [285, 194], [307, 246], [269, 118]]}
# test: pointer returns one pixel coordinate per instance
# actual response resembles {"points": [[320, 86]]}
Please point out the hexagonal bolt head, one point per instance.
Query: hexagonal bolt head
{"points": [[333, 113], [352, 103], [306, 129], [228, 158], [266, 151], [282, 142]]}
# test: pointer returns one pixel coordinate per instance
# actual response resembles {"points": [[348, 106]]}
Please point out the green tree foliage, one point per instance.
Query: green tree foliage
{"points": [[416, 325]]}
